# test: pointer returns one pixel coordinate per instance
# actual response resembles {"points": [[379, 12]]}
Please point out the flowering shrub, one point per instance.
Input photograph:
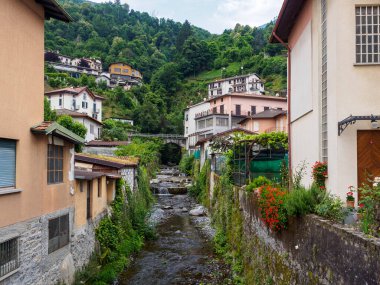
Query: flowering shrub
{"points": [[320, 174], [271, 206]]}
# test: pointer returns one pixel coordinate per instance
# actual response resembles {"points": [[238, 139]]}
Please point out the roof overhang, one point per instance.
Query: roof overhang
{"points": [[57, 130], [286, 20], [54, 10]]}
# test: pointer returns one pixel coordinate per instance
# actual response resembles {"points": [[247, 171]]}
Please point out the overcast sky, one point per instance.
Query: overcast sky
{"points": [[212, 15]]}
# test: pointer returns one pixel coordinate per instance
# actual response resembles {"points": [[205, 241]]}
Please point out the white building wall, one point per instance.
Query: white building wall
{"points": [[88, 123], [190, 123]]}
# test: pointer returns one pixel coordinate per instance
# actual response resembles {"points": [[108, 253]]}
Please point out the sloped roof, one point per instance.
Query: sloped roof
{"points": [[75, 91], [111, 161], [267, 114], [81, 174], [221, 134], [76, 115], [54, 10], [53, 128], [286, 19]]}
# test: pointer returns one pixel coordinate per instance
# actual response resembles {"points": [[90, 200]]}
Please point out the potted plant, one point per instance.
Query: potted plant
{"points": [[320, 174], [350, 199]]}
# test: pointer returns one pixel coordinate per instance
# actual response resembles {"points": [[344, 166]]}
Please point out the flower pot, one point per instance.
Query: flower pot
{"points": [[350, 204]]}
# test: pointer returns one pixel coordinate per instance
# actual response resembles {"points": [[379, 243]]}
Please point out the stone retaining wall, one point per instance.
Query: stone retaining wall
{"points": [[37, 266], [310, 251]]}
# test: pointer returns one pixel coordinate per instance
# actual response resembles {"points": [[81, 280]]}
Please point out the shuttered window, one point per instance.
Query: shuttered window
{"points": [[7, 163]]}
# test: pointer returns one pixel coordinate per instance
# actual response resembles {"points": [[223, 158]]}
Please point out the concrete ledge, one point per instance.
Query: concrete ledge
{"points": [[10, 191]]}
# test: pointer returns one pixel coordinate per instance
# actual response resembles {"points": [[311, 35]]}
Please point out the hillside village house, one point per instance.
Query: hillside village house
{"points": [[74, 66], [245, 84], [272, 120], [190, 128], [93, 126], [124, 72], [36, 158], [228, 110], [79, 99], [333, 86]]}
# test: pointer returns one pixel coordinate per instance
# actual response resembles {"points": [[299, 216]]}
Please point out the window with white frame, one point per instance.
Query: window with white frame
{"points": [[367, 34], [9, 256]]}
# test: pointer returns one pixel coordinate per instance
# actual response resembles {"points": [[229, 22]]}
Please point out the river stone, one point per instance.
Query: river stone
{"points": [[167, 207], [177, 190], [184, 210], [68, 270], [198, 211]]}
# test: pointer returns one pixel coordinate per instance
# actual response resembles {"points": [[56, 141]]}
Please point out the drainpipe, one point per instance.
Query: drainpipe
{"points": [[289, 100]]}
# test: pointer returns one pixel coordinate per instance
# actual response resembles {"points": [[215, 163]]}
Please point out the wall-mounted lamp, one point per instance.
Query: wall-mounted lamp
{"points": [[374, 124]]}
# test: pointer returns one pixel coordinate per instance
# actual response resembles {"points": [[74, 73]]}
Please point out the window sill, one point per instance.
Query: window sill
{"points": [[9, 274], [6, 191], [366, 64]]}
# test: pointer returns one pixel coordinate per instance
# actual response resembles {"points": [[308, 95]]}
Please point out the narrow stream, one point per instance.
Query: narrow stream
{"points": [[182, 253]]}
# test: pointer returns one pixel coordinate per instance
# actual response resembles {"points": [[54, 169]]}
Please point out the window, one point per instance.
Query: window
{"points": [[60, 101], [187, 130], [84, 105], [117, 69], [55, 164], [222, 109], [99, 187], [209, 122], [94, 107], [266, 108], [238, 110], [125, 70], [201, 124], [7, 163], [221, 100], [256, 126], [58, 233], [214, 110], [187, 117], [8, 256], [92, 129], [253, 110], [367, 34], [212, 93], [222, 122], [279, 109], [84, 96], [81, 186]]}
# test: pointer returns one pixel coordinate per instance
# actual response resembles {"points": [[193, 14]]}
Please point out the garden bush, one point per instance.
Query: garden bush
{"points": [[258, 182], [186, 164]]}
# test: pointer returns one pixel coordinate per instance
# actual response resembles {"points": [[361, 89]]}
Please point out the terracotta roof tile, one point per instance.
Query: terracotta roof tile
{"points": [[113, 161], [107, 143]]}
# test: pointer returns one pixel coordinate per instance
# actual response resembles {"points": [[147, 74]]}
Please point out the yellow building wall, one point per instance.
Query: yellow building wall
{"points": [[113, 70]]}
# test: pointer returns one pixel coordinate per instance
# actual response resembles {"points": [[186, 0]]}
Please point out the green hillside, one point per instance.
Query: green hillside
{"points": [[176, 59]]}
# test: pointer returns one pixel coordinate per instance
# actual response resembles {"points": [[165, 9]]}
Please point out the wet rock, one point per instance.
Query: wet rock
{"points": [[178, 232], [155, 181], [167, 207], [177, 190], [184, 210], [198, 211]]}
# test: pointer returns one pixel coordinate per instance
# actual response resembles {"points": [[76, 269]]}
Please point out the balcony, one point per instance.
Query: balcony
{"points": [[212, 112]]}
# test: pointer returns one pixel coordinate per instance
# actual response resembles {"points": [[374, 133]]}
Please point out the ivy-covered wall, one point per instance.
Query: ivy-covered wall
{"points": [[310, 251]]}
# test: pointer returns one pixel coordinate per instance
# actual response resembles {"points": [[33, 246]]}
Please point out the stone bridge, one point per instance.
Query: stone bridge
{"points": [[167, 138]]}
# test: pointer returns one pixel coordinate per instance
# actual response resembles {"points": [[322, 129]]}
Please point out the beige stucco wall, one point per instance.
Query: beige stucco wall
{"points": [[21, 81], [98, 204], [352, 90]]}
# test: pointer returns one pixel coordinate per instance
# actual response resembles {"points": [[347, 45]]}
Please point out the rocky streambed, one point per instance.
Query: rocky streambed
{"points": [[183, 252]]}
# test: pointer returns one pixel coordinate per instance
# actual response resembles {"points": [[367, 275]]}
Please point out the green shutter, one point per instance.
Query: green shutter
{"points": [[7, 163]]}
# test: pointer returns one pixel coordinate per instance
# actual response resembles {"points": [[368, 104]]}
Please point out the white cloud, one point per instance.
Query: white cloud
{"points": [[212, 15]]}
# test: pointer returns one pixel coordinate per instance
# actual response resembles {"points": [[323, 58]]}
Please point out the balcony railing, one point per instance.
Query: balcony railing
{"points": [[213, 112]]}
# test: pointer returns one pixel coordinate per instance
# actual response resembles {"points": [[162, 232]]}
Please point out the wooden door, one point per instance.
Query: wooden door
{"points": [[368, 156]]}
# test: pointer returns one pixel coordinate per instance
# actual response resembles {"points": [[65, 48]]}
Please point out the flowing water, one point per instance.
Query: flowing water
{"points": [[182, 253]]}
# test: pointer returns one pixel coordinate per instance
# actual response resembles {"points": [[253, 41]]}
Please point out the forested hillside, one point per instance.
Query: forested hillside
{"points": [[176, 59]]}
